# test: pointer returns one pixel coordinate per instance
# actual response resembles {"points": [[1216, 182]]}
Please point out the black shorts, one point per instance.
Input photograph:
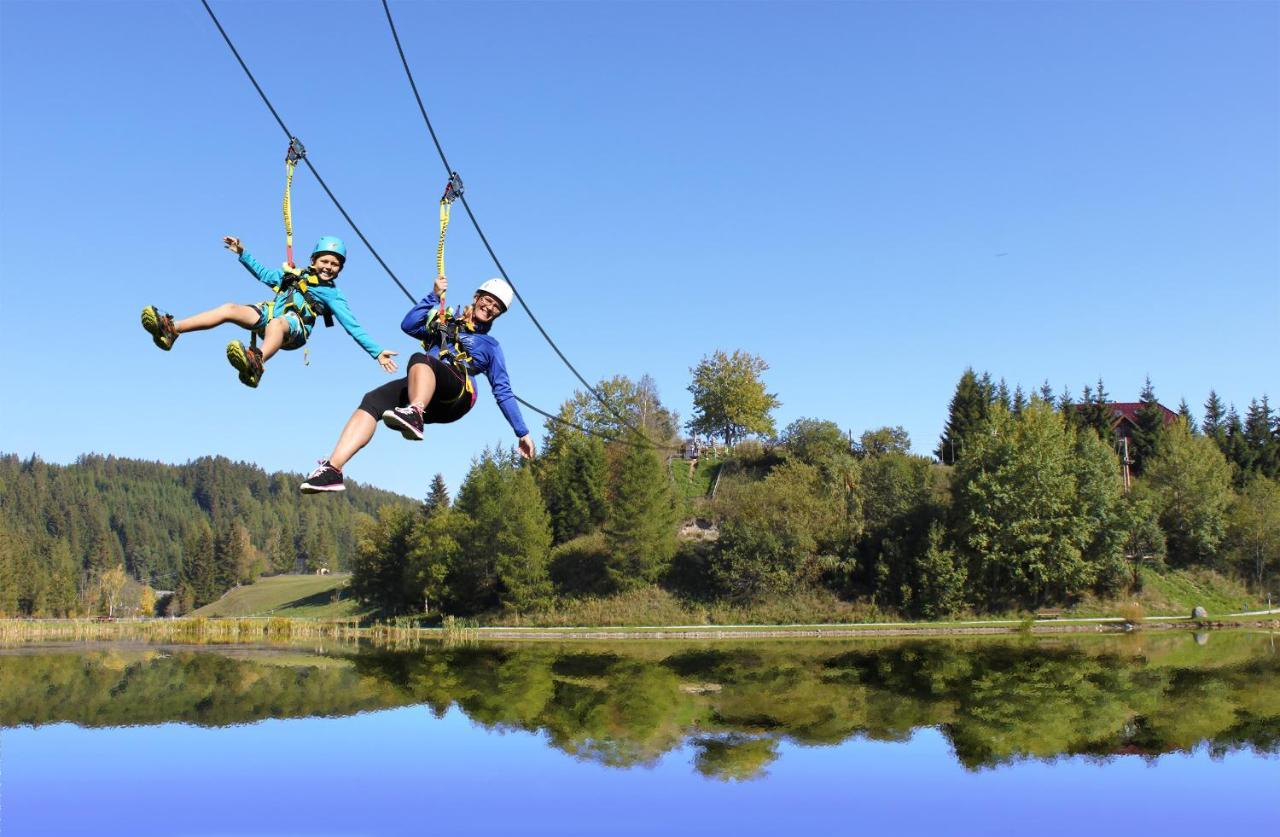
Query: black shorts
{"points": [[450, 402]]}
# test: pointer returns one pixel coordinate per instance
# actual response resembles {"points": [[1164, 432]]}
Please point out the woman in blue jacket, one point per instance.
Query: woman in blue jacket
{"points": [[439, 387], [284, 322]]}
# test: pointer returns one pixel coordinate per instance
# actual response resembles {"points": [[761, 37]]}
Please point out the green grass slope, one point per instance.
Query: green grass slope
{"points": [[290, 596]]}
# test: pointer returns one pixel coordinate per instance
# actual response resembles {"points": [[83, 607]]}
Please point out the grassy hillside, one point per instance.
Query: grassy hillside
{"points": [[291, 596]]}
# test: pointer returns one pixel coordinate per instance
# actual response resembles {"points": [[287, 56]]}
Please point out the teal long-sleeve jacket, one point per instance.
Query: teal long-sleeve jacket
{"points": [[332, 297]]}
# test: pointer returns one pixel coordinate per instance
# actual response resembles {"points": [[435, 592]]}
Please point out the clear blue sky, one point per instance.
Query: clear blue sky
{"points": [[871, 196]]}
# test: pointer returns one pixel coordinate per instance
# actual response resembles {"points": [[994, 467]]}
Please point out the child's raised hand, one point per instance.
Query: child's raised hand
{"points": [[233, 244], [385, 361], [442, 285]]}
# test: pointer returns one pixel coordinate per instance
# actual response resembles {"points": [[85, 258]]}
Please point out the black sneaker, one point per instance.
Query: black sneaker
{"points": [[408, 420], [324, 478]]}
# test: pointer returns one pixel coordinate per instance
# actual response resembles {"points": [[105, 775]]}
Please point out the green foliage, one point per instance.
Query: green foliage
{"points": [[628, 406], [1020, 520], [883, 441], [901, 496], [641, 526], [773, 531], [970, 406], [941, 577], [580, 567], [1149, 429], [1190, 485], [1253, 531], [79, 520], [380, 574], [437, 495], [814, 442], [572, 476], [729, 397], [505, 545]]}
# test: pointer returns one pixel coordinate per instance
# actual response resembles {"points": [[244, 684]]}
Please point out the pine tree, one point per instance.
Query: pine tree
{"points": [[641, 525], [1184, 413], [573, 484], [1214, 420], [1259, 438], [199, 574], [1149, 427], [437, 496], [969, 407], [1019, 400], [1046, 392]]}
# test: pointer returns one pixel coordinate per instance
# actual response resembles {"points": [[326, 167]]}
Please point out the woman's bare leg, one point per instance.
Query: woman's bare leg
{"points": [[355, 435], [422, 385]]}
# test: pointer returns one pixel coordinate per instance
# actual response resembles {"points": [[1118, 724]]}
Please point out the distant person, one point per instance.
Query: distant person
{"points": [[284, 322], [438, 387]]}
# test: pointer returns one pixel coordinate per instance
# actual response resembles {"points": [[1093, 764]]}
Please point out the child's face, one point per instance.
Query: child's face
{"points": [[327, 266]]}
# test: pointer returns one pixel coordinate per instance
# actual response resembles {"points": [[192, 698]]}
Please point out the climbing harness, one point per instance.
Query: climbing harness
{"points": [[293, 278], [445, 327]]}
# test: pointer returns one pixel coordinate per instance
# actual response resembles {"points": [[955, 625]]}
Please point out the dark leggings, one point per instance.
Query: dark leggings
{"points": [[450, 402]]}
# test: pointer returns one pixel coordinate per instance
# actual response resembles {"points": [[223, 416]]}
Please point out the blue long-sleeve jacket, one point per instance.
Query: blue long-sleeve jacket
{"points": [[332, 297], [486, 357]]}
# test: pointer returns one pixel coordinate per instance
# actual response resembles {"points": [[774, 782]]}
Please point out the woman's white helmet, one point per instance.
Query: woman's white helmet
{"points": [[499, 289]]}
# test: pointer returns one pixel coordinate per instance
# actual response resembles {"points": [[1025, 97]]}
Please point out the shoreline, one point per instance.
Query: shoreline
{"points": [[20, 632]]}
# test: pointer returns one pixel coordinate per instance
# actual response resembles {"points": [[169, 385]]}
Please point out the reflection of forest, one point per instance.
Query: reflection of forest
{"points": [[629, 704]]}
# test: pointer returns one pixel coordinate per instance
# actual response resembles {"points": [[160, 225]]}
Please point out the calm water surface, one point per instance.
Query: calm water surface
{"points": [[1151, 733]]}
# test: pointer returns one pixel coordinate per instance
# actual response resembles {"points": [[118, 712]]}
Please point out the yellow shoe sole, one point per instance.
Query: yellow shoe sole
{"points": [[238, 357]]}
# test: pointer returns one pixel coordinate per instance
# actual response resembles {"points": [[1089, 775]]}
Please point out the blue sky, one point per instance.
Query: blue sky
{"points": [[870, 196]]}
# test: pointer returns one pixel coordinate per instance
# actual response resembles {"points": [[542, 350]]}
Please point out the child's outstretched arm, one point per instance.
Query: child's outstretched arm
{"points": [[341, 311], [264, 275]]}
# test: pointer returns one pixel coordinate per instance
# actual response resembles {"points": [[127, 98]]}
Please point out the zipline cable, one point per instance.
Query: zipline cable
{"points": [[332, 197], [476, 224]]}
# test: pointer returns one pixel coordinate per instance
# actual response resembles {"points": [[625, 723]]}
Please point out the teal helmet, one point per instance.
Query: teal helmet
{"points": [[330, 244]]}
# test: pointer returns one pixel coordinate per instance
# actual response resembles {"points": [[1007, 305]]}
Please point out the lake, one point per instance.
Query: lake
{"points": [[1149, 732]]}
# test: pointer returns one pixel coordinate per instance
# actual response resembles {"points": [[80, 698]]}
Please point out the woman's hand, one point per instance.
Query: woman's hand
{"points": [[385, 361], [526, 446], [441, 285], [233, 244]]}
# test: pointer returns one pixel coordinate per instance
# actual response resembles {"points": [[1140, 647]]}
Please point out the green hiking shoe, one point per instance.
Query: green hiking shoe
{"points": [[160, 327], [247, 361]]}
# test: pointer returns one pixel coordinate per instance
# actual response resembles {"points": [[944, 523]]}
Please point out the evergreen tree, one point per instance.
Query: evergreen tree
{"points": [[1237, 449], [1095, 412], [1264, 454], [199, 573], [1046, 392], [1184, 414], [1190, 484], [437, 496], [942, 576], [504, 548], [1214, 425], [379, 568], [1002, 396], [1019, 400], [1149, 427], [573, 483], [969, 407], [641, 527]]}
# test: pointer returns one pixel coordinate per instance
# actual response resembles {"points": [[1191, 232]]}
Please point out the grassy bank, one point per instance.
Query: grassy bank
{"points": [[322, 597]]}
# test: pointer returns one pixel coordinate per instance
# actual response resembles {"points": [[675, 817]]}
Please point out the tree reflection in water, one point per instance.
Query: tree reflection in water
{"points": [[732, 704]]}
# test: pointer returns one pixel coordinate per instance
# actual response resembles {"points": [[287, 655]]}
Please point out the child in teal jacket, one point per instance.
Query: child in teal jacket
{"points": [[284, 322]]}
